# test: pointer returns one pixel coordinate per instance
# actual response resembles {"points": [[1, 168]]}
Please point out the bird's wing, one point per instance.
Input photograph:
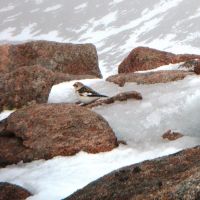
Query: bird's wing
{"points": [[89, 92]]}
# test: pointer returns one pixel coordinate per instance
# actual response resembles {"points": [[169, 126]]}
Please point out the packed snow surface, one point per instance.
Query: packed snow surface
{"points": [[174, 106]]}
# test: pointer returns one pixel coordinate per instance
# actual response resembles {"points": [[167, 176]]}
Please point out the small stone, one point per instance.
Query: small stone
{"points": [[172, 135]]}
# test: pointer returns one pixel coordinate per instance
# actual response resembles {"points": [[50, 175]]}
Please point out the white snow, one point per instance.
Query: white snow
{"points": [[107, 19], [176, 66], [5, 114], [28, 32], [7, 33], [81, 6], [174, 106], [53, 8], [115, 2], [64, 92]]}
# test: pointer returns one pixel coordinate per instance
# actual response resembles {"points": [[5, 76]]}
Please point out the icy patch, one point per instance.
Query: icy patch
{"points": [[164, 106], [53, 8]]}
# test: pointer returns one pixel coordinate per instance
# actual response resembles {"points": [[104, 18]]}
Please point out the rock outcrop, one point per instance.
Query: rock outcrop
{"points": [[47, 130], [25, 85], [144, 58], [12, 192], [149, 77], [30, 84], [75, 59], [172, 177]]}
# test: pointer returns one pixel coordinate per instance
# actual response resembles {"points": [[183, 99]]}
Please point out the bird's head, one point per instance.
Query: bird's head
{"points": [[78, 85]]}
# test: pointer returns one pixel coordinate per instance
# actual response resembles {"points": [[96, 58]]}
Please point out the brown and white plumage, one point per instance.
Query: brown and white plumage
{"points": [[86, 94]]}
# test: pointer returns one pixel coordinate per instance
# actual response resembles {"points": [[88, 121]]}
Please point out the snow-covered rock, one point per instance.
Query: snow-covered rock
{"points": [[143, 58]]}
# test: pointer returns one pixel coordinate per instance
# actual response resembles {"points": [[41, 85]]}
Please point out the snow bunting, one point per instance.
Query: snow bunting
{"points": [[86, 94]]}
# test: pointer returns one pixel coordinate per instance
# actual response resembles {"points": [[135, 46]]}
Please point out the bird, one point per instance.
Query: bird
{"points": [[86, 94]]}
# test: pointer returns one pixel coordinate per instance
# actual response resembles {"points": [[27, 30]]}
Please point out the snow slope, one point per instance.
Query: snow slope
{"points": [[114, 26]]}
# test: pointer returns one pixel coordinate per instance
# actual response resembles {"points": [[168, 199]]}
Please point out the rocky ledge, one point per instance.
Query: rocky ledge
{"points": [[172, 177], [149, 77], [144, 58]]}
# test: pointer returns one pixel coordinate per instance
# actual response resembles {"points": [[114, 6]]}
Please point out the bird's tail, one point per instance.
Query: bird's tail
{"points": [[101, 95]]}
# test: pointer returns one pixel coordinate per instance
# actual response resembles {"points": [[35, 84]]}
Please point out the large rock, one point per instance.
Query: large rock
{"points": [[144, 58], [172, 177], [24, 85], [12, 192], [149, 77], [76, 59], [47, 130]]}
